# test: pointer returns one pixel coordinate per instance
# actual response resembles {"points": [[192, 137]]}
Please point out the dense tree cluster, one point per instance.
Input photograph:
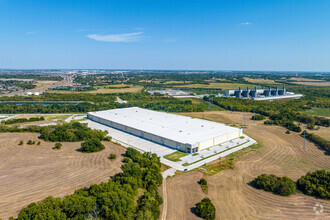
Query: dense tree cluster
{"points": [[26, 86], [323, 143], [22, 120], [280, 112], [258, 117], [70, 132], [315, 184], [91, 145], [283, 186], [96, 102], [39, 77], [205, 209], [75, 89], [115, 199]]}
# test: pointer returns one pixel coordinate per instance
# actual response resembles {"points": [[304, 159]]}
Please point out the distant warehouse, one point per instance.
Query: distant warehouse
{"points": [[175, 131]]}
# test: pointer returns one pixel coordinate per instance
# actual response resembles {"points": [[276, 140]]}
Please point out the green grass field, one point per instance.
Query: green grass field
{"points": [[318, 112], [175, 156], [205, 105], [56, 117]]}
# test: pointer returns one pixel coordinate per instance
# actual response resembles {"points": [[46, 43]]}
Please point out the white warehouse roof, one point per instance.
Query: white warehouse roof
{"points": [[171, 126]]}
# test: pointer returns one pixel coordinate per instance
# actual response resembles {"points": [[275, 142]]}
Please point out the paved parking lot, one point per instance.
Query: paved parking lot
{"points": [[129, 140]]}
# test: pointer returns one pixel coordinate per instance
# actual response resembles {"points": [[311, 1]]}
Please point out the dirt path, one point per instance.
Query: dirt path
{"points": [[282, 154], [30, 173], [164, 212]]}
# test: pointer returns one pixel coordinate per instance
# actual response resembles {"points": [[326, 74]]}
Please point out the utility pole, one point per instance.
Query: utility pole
{"points": [[231, 107], [304, 139]]}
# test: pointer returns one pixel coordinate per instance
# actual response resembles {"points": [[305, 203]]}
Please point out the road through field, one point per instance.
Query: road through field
{"points": [[282, 155], [30, 173]]}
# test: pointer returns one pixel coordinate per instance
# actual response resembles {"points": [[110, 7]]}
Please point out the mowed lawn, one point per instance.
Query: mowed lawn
{"points": [[318, 112], [175, 156]]}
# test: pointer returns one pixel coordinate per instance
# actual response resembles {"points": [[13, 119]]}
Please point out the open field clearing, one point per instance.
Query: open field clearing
{"points": [[101, 89], [223, 86], [305, 79], [322, 132], [318, 112], [258, 81], [312, 83], [282, 154], [117, 90], [30, 173], [176, 82], [10, 79]]}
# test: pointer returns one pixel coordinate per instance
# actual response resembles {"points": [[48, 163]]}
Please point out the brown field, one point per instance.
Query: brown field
{"points": [[306, 79], [282, 154], [30, 173], [312, 83], [101, 90], [218, 86], [322, 132], [263, 81]]}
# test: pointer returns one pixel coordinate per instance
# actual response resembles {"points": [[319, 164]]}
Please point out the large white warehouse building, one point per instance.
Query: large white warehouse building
{"points": [[175, 131]]}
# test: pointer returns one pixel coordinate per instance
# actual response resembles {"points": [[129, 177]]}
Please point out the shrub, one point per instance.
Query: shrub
{"points": [[283, 186], [287, 132], [91, 145], [205, 209], [30, 142], [112, 156], [258, 117], [315, 184], [20, 143], [38, 143], [203, 183], [58, 146]]}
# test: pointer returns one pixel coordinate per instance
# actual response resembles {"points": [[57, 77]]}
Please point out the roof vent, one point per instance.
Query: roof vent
{"points": [[180, 131], [202, 125]]}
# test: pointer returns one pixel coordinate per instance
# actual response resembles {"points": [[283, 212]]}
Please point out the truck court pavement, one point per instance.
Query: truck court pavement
{"points": [[205, 156]]}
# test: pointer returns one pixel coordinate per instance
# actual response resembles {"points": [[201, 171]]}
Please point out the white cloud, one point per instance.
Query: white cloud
{"points": [[129, 37], [245, 23]]}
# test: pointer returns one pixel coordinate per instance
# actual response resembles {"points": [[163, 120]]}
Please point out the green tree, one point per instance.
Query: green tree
{"points": [[112, 156], [91, 145], [20, 143], [58, 146], [205, 209]]}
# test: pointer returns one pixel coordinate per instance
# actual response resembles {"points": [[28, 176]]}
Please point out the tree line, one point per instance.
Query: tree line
{"points": [[115, 199], [23, 120], [315, 183]]}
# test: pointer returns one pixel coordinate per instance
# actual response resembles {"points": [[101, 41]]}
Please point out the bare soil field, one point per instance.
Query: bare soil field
{"points": [[219, 85], [312, 83], [306, 79], [30, 173], [263, 81], [322, 132], [282, 155]]}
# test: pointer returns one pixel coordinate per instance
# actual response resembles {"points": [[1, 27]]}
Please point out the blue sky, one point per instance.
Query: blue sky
{"points": [[287, 35]]}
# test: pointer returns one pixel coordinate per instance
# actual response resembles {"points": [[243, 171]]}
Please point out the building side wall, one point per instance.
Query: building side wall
{"points": [[167, 142], [158, 139], [205, 144]]}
